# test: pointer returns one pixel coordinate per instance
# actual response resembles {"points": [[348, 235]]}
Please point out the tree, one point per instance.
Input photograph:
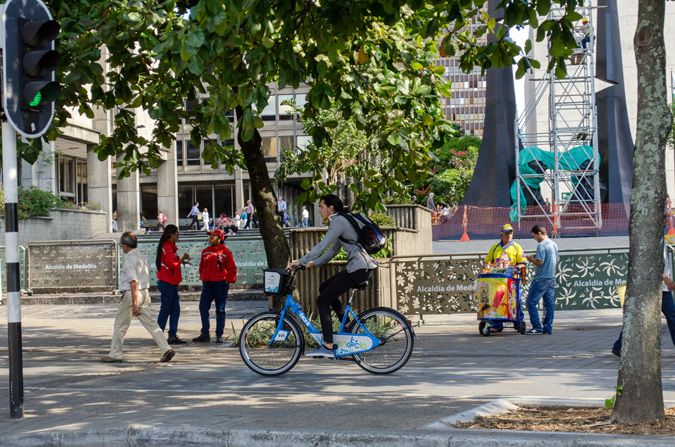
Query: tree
{"points": [[641, 397], [351, 56]]}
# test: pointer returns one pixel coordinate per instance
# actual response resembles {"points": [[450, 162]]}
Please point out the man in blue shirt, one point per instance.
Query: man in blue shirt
{"points": [[543, 284], [194, 213]]}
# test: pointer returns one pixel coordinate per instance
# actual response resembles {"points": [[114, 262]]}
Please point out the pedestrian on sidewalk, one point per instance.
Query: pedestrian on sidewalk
{"points": [[217, 271], [169, 277], [305, 217], [543, 284], [194, 213], [134, 281], [667, 302], [161, 221], [205, 219]]}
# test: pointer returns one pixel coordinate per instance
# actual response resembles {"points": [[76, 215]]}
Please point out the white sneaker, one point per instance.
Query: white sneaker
{"points": [[321, 351]]}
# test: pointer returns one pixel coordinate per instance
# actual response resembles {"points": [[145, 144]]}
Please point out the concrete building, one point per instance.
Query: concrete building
{"points": [[68, 167], [466, 106]]}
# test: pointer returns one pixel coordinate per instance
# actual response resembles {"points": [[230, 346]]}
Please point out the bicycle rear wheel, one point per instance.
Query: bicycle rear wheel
{"points": [[267, 357], [396, 340]]}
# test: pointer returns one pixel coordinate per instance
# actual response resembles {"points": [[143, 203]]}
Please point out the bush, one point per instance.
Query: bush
{"points": [[36, 202]]}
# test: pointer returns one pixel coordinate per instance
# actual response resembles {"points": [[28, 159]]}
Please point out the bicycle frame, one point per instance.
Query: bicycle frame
{"points": [[347, 343]]}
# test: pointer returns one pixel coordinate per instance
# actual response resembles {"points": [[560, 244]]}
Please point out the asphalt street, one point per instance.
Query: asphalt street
{"points": [[207, 386]]}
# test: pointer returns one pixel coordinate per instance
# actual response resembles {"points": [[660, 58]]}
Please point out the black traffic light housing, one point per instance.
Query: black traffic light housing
{"points": [[29, 64]]}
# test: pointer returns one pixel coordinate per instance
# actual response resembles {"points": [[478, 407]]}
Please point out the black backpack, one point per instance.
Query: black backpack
{"points": [[370, 236]]}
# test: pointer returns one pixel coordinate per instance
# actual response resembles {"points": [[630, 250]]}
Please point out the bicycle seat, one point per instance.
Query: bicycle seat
{"points": [[361, 286]]}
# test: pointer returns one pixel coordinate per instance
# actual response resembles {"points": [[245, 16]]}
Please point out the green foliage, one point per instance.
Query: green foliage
{"points": [[382, 220], [450, 174], [451, 185], [36, 202], [609, 403], [373, 62]]}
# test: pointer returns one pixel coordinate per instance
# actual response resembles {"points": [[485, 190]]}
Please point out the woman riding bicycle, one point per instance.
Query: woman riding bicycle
{"points": [[340, 234]]}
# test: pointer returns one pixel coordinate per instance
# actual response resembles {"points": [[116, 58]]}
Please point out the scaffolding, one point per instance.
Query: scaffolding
{"points": [[570, 146]]}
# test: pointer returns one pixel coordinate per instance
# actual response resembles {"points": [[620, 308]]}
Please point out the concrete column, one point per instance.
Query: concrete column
{"points": [[99, 184], [239, 201], [167, 187], [128, 201], [43, 171]]}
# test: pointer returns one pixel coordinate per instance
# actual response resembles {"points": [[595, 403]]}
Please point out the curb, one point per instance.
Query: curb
{"points": [[111, 298], [139, 435]]}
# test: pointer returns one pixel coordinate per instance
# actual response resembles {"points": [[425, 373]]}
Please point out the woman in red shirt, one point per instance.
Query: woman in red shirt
{"points": [[169, 276], [217, 271]]}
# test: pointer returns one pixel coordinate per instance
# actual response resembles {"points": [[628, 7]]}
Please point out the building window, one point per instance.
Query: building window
{"points": [[67, 177], [179, 153], [269, 146], [193, 154], [269, 113]]}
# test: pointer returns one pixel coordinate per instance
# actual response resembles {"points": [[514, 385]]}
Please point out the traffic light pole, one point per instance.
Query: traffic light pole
{"points": [[10, 184]]}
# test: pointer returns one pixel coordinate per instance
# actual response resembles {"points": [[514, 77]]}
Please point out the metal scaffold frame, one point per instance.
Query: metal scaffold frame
{"points": [[572, 130]]}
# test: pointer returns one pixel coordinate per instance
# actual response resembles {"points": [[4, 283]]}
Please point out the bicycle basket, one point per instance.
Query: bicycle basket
{"points": [[275, 281]]}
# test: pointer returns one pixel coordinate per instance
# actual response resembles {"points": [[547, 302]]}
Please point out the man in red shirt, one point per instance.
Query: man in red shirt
{"points": [[217, 271]]}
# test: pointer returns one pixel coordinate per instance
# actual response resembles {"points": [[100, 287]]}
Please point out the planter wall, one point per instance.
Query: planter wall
{"points": [[61, 225]]}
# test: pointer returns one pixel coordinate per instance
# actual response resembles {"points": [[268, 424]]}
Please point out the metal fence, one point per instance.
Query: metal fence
{"points": [[586, 279]]}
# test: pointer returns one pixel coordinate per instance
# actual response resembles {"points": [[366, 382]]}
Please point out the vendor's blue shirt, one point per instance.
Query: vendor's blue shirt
{"points": [[547, 251]]}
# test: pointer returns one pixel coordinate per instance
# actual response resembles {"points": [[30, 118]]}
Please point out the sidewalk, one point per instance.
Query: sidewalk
{"points": [[207, 396]]}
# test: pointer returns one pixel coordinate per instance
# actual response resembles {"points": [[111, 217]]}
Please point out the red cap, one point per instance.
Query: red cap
{"points": [[216, 232]]}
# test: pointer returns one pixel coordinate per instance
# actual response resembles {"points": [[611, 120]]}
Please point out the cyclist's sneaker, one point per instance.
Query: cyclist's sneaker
{"points": [[321, 351]]}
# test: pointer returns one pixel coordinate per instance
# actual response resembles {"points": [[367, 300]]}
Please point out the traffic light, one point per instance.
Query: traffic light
{"points": [[29, 63]]}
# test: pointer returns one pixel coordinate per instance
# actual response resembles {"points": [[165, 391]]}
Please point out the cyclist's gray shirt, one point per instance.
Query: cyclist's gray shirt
{"points": [[340, 227]]}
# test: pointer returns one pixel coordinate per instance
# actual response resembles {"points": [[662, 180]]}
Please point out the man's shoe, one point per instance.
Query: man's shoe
{"points": [[219, 339], [203, 338], [548, 332], [168, 355], [321, 351], [533, 332], [616, 352], [176, 341], [108, 359]]}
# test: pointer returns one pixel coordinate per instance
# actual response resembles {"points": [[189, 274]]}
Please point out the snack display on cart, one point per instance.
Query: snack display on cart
{"points": [[499, 297]]}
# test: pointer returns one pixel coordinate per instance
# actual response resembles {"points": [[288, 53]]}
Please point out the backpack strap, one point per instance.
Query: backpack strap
{"points": [[350, 218]]}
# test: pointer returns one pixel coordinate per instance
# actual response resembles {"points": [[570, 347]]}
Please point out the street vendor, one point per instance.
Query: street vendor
{"points": [[506, 249]]}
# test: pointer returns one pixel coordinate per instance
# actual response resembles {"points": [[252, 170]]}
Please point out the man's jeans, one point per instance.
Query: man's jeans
{"points": [[213, 291], [541, 288], [668, 309]]}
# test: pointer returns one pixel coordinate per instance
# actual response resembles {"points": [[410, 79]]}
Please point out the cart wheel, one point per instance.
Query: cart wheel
{"points": [[484, 328], [522, 327]]}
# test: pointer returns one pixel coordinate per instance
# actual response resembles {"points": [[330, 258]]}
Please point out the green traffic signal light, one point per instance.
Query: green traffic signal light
{"points": [[36, 101]]}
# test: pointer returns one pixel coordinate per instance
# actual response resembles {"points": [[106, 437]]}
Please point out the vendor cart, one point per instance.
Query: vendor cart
{"points": [[499, 298]]}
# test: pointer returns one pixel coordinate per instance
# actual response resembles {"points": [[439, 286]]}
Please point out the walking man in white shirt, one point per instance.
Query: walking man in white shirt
{"points": [[134, 282]]}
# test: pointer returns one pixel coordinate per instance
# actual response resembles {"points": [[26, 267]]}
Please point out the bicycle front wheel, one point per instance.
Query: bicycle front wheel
{"points": [[396, 340], [265, 353]]}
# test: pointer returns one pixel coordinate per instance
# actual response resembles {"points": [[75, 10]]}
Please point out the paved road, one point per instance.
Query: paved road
{"points": [[208, 386]]}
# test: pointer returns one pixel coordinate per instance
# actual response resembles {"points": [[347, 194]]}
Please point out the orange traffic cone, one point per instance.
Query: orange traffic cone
{"points": [[465, 221], [671, 230]]}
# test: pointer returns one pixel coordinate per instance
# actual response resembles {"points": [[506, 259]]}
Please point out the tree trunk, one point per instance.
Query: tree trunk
{"points": [[641, 398], [276, 245]]}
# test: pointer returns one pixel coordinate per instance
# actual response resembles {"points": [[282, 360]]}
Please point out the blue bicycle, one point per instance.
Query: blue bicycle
{"points": [[380, 340]]}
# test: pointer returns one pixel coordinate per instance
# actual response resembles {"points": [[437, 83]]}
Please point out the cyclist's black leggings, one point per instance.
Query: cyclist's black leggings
{"points": [[329, 296]]}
